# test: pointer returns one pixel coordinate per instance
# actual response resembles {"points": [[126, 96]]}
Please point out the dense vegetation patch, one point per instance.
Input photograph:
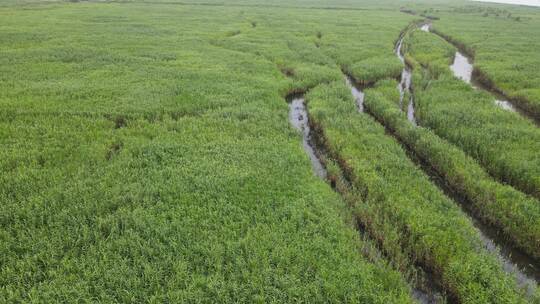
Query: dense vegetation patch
{"points": [[147, 157], [142, 162]]}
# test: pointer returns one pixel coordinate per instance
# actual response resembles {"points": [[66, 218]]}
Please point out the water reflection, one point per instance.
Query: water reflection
{"points": [[299, 119], [462, 67], [357, 94]]}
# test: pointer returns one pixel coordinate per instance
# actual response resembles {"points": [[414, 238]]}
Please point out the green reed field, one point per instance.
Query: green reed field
{"points": [[147, 154]]}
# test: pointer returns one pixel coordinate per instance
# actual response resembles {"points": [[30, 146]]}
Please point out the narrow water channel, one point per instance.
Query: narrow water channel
{"points": [[514, 260], [404, 85], [298, 117], [357, 93], [462, 67]]}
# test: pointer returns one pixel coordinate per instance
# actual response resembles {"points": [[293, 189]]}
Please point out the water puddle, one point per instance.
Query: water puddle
{"points": [[505, 105], [462, 67], [410, 111], [513, 260], [404, 84], [300, 121], [425, 298], [356, 92]]}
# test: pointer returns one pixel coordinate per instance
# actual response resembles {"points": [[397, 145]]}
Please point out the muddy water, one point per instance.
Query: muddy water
{"points": [[462, 67], [505, 105], [357, 93], [410, 111], [404, 85], [513, 260], [300, 121]]}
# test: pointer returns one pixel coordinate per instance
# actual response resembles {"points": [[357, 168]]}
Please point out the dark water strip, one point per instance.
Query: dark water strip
{"points": [[356, 93], [514, 261]]}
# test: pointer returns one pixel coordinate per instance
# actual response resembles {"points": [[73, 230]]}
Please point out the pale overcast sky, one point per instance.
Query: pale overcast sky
{"points": [[522, 2]]}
